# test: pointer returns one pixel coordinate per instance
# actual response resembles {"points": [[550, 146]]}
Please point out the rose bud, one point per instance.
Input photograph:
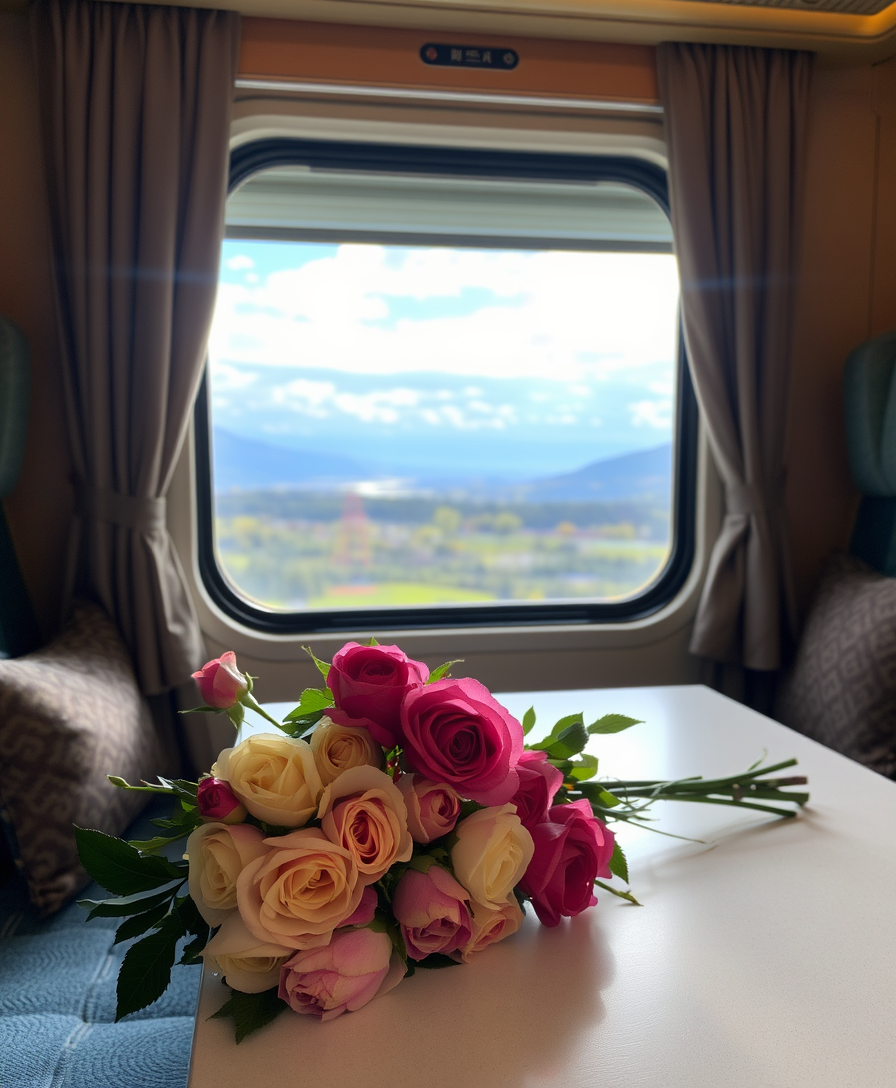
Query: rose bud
{"points": [[217, 801], [433, 808], [539, 782], [220, 682], [369, 683], [492, 924], [355, 967], [492, 852], [455, 732], [431, 909], [572, 848]]}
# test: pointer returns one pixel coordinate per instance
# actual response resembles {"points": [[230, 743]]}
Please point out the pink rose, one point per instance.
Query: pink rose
{"points": [[572, 848], [368, 685], [220, 682], [217, 801], [431, 909], [455, 732], [539, 782], [433, 808], [356, 966]]}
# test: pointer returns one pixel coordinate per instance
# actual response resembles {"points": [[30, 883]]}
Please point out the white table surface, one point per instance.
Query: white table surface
{"points": [[763, 958]]}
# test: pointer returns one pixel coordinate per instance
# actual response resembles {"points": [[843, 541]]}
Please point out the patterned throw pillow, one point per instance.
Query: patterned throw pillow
{"points": [[70, 714], [842, 689]]}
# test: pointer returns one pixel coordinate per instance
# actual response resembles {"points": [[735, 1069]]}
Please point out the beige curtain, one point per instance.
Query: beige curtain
{"points": [[135, 108], [735, 132]]}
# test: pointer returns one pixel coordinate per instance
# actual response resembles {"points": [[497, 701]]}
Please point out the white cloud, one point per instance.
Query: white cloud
{"points": [[572, 317], [651, 413], [238, 263]]}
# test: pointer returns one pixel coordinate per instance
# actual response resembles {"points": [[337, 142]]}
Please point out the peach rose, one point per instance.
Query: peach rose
{"points": [[274, 776], [247, 964], [491, 854], [492, 924], [364, 811], [218, 853], [336, 748], [300, 890], [433, 807]]}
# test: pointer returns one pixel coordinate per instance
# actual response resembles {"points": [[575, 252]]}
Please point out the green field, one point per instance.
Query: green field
{"points": [[455, 556], [395, 594]]}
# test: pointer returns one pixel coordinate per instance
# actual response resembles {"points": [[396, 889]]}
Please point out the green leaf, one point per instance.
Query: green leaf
{"points": [[190, 918], [569, 742], [146, 969], [618, 864], [372, 641], [120, 868], [122, 906], [249, 1012], [150, 846], [312, 701], [613, 723], [139, 923], [436, 960], [442, 670], [322, 666], [584, 768], [303, 727], [528, 721], [193, 951]]}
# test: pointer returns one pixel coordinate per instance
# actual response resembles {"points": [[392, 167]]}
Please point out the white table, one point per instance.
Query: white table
{"points": [[765, 958]]}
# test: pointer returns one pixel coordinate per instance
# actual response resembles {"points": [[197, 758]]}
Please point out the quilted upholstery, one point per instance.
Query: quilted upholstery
{"points": [[842, 688], [57, 1002], [69, 715]]}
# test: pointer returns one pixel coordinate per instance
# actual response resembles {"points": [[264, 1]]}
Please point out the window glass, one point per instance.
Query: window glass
{"points": [[442, 391]]}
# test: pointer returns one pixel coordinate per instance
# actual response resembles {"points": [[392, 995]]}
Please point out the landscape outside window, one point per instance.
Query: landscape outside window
{"points": [[400, 425]]}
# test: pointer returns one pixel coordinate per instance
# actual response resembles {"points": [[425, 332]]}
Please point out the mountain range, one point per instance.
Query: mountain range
{"points": [[246, 464]]}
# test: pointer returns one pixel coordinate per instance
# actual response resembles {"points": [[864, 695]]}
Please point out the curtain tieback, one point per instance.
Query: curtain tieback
{"points": [[142, 515], [746, 499]]}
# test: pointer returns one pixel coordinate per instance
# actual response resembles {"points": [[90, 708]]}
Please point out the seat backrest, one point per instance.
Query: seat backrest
{"points": [[19, 632], [870, 415]]}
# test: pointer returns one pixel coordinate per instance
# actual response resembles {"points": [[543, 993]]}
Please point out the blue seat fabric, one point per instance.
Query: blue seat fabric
{"points": [[58, 994]]}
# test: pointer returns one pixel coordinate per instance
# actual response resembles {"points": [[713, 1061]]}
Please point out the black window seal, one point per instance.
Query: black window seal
{"points": [[259, 155]]}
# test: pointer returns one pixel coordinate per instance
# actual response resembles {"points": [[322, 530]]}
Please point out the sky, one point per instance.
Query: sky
{"points": [[434, 360]]}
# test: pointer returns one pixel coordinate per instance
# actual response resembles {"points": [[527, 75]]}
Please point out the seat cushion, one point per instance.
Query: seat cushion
{"points": [[842, 688], [70, 714], [58, 979]]}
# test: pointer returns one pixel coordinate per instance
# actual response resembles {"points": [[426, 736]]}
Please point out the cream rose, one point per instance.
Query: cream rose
{"points": [[492, 852], [492, 924], [299, 891], [275, 777], [247, 964], [217, 853], [364, 811], [336, 748]]}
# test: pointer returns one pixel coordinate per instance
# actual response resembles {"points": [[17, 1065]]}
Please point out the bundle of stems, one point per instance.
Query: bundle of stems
{"points": [[629, 799]]}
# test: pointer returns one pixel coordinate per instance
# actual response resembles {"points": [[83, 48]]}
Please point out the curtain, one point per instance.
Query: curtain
{"points": [[135, 110], [735, 133]]}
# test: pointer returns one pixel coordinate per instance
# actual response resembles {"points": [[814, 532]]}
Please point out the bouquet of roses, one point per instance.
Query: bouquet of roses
{"points": [[395, 819]]}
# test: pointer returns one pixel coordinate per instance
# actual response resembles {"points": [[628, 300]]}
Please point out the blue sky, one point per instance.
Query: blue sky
{"points": [[425, 360]]}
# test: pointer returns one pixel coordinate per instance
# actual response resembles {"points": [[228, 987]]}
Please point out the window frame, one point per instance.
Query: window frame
{"points": [[258, 155]]}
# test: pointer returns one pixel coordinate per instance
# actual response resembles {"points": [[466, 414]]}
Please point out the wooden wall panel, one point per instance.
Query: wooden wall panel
{"points": [[378, 55]]}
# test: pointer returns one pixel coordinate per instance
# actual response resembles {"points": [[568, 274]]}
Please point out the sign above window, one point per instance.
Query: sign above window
{"points": [[466, 56]]}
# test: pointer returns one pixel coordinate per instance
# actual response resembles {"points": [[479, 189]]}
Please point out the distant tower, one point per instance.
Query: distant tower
{"points": [[352, 544]]}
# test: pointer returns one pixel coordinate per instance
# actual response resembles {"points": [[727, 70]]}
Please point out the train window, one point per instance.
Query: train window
{"points": [[444, 387]]}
